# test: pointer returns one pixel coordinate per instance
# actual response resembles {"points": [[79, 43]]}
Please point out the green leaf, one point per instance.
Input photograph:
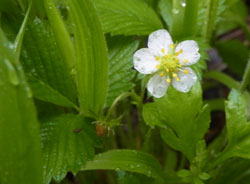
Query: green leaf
{"points": [[19, 38], [238, 128], [120, 67], [184, 18], [62, 36], [20, 154], [234, 17], [68, 142], [232, 51], [43, 91], [179, 118], [133, 178], [41, 59], [126, 160], [165, 7], [211, 12], [128, 17], [91, 57], [232, 171]]}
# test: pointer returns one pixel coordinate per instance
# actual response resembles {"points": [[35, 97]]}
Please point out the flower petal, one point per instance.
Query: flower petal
{"points": [[187, 79], [157, 86], [159, 40], [190, 52], [144, 61]]}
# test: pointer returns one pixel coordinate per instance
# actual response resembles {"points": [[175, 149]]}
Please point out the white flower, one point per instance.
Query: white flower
{"points": [[168, 62]]}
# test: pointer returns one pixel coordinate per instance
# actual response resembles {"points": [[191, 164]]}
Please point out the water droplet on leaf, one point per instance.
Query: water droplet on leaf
{"points": [[183, 3], [176, 11]]}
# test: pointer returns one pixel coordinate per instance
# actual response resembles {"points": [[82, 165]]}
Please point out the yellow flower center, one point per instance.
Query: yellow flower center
{"points": [[169, 64]]}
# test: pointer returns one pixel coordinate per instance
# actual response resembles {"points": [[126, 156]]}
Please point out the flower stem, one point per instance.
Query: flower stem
{"points": [[246, 78], [223, 78]]}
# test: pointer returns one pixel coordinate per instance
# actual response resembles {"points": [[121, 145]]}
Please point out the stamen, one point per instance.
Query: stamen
{"points": [[177, 79], [186, 71], [179, 52], [172, 46], [158, 66], [163, 50], [185, 61], [174, 75], [157, 58], [162, 74], [168, 80]]}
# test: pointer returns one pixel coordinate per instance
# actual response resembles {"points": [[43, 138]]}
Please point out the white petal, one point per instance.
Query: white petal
{"points": [[190, 54], [144, 61], [159, 40], [157, 86], [186, 80]]}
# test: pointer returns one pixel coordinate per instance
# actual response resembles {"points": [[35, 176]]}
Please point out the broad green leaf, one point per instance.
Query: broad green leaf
{"points": [[128, 17], [179, 118], [91, 57], [238, 128], [232, 171], [42, 60], [120, 67], [62, 36], [184, 18], [210, 15], [20, 155], [133, 178], [43, 91], [234, 17], [126, 160], [67, 143], [232, 51], [165, 7]]}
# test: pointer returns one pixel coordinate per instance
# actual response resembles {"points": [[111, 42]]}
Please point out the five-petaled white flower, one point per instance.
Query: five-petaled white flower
{"points": [[168, 62]]}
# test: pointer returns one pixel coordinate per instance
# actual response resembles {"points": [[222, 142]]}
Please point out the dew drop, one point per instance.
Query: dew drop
{"points": [[12, 73], [183, 3], [175, 11]]}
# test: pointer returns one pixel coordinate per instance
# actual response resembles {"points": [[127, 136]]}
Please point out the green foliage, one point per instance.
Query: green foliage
{"points": [[43, 91], [185, 16], [165, 7], [62, 36], [133, 178], [128, 17], [238, 127], [232, 51], [59, 70], [48, 69], [67, 143], [91, 57], [120, 67], [234, 171], [19, 129], [238, 142], [126, 160], [173, 113]]}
